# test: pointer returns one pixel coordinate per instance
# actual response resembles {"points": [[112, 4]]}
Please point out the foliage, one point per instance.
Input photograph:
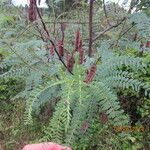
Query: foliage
{"points": [[54, 72], [8, 89], [76, 96], [102, 137]]}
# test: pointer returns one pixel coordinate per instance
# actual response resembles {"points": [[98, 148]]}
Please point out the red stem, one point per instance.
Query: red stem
{"points": [[90, 27]]}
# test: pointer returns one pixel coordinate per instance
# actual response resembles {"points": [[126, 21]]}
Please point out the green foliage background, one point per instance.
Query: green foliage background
{"points": [[41, 101]]}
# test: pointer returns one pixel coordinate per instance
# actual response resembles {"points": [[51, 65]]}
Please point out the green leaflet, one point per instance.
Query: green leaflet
{"points": [[34, 97]]}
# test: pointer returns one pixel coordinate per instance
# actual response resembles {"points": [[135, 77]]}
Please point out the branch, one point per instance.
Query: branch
{"points": [[51, 41], [90, 27], [108, 28]]}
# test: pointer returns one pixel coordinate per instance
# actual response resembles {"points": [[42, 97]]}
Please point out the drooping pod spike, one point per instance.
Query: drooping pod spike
{"points": [[32, 11], [81, 52], [81, 56], [70, 61], [61, 48], [91, 73], [77, 39], [78, 46], [52, 51], [67, 56]]}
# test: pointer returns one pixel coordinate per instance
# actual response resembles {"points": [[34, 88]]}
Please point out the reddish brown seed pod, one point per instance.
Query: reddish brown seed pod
{"points": [[81, 56], [91, 74], [61, 48], [148, 44], [70, 62], [77, 40], [78, 46], [52, 51], [81, 52], [67, 56], [32, 11]]}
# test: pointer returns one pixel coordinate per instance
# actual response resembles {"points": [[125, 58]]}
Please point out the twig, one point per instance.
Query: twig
{"points": [[119, 36], [127, 30], [105, 12], [108, 28], [41, 36], [51, 41], [44, 26], [121, 30]]}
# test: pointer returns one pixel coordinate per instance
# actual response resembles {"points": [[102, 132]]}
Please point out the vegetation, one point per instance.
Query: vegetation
{"points": [[78, 77]]}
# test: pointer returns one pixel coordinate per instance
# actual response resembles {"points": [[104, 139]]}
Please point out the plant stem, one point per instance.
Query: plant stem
{"points": [[90, 27]]}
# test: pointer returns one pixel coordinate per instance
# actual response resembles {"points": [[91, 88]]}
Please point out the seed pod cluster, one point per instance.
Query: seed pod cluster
{"points": [[32, 11], [81, 53], [70, 61], [78, 46], [61, 48], [90, 74], [77, 40]]}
